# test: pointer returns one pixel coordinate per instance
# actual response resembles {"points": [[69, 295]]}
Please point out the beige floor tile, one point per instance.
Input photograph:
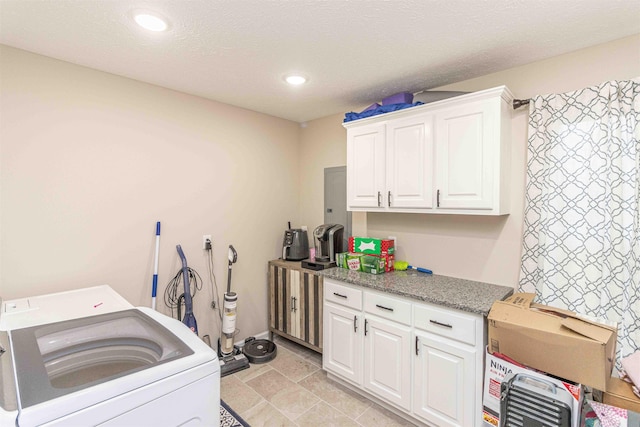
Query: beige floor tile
{"points": [[288, 344], [253, 371], [288, 397], [269, 383], [336, 395], [238, 395], [296, 348], [315, 358], [377, 416], [293, 401], [323, 415], [292, 366], [265, 415]]}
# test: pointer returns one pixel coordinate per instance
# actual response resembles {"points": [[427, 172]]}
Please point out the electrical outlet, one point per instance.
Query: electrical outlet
{"points": [[206, 237], [395, 241]]}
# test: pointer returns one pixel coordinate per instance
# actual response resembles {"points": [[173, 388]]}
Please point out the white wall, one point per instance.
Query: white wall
{"points": [[90, 161], [477, 248]]}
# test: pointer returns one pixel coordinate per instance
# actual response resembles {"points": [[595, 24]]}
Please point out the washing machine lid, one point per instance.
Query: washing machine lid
{"points": [[65, 358], [56, 307]]}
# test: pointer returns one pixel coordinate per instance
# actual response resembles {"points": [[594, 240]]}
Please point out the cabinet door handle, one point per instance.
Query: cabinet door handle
{"points": [[383, 307], [366, 329], [293, 303], [379, 200], [355, 324], [340, 295], [435, 322], [389, 198], [417, 346], [438, 198]]}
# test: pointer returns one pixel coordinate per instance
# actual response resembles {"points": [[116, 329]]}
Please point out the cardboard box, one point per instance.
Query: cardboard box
{"points": [[553, 340], [389, 261], [374, 264], [348, 260], [371, 246], [497, 369], [619, 394]]}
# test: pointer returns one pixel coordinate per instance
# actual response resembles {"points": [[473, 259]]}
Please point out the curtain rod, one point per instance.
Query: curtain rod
{"points": [[517, 103]]}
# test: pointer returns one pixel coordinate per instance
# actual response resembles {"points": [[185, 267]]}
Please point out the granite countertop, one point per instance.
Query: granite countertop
{"points": [[461, 294]]}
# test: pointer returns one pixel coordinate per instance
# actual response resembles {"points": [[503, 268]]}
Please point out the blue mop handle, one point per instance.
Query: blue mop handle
{"points": [[189, 318], [420, 269], [154, 287]]}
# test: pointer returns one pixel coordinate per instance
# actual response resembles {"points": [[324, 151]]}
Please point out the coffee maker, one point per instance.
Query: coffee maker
{"points": [[328, 241]]}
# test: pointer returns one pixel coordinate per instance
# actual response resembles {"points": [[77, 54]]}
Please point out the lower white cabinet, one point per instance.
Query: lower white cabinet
{"points": [[342, 343], [387, 361], [444, 378], [425, 361]]}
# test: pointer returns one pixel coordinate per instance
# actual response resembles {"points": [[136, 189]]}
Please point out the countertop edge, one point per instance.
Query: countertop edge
{"points": [[450, 292]]}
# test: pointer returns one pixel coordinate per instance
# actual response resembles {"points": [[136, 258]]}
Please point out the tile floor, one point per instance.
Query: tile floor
{"points": [[293, 390]]}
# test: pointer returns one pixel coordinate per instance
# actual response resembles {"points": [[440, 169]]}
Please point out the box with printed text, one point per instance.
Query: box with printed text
{"points": [[498, 369], [374, 264], [371, 246]]}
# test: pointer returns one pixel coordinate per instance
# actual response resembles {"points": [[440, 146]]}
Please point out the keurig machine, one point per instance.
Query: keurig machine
{"points": [[328, 241]]}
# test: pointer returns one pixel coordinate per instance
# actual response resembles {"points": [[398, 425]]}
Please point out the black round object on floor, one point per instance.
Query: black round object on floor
{"points": [[259, 351]]}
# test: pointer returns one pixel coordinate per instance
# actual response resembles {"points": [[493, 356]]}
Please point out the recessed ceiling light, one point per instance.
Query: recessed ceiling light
{"points": [[295, 79], [150, 22]]}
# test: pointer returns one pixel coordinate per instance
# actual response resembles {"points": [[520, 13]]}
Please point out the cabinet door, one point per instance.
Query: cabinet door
{"points": [[409, 147], [342, 350], [444, 381], [284, 285], [466, 137], [387, 361], [293, 303], [365, 166], [308, 309]]}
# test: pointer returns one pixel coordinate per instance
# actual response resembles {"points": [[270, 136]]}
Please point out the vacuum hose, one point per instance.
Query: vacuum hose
{"points": [[189, 319]]}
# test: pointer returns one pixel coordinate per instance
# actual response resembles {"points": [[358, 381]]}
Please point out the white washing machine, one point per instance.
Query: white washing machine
{"points": [[88, 357]]}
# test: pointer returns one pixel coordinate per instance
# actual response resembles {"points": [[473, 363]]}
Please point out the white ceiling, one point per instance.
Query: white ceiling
{"points": [[354, 52]]}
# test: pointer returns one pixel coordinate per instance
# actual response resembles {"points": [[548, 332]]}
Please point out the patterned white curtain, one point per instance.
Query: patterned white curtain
{"points": [[581, 246]]}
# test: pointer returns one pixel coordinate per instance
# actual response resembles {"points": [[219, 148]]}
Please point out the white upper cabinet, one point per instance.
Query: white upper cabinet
{"points": [[450, 156], [409, 178], [366, 166]]}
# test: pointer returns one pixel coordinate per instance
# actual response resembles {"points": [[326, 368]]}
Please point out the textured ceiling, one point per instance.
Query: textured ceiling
{"points": [[354, 52]]}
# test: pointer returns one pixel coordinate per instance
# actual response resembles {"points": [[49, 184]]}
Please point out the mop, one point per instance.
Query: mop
{"points": [[231, 358], [154, 288], [189, 319]]}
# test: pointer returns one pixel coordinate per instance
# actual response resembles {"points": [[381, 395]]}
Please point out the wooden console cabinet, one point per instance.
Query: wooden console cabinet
{"points": [[295, 303]]}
